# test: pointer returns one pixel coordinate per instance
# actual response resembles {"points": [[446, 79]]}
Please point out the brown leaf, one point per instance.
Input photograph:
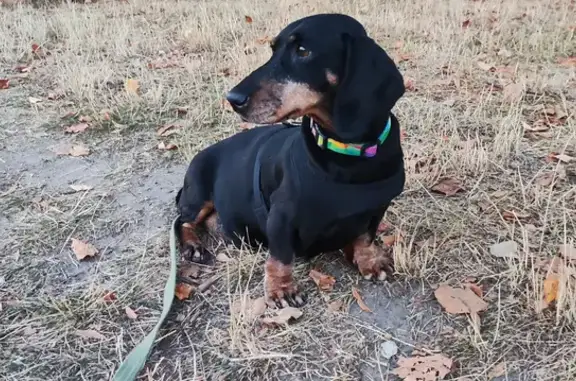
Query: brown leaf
{"points": [[423, 368], [4, 83], [132, 86], [167, 147], [130, 313], [83, 249], [389, 240], [34, 100], [466, 23], [81, 187], [511, 215], [551, 288], [336, 305], [183, 291], [167, 130], [409, 85], [359, 300], [110, 296], [513, 92], [485, 66], [248, 19], [545, 179], [258, 307], [497, 370], [448, 186], [283, 316], [190, 270], [568, 252], [264, 40], [90, 334], [475, 289], [560, 157], [75, 128], [506, 249], [323, 281], [458, 300], [567, 61]]}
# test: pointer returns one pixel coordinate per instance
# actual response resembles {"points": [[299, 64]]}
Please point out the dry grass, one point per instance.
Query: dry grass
{"points": [[458, 120]]}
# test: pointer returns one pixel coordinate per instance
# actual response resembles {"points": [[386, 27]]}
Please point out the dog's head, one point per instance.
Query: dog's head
{"points": [[326, 67]]}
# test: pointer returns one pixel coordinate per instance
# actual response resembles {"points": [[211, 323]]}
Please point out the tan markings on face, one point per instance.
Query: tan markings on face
{"points": [[331, 78], [296, 100]]}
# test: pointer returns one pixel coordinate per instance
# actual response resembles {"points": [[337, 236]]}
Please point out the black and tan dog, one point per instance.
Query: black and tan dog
{"points": [[319, 187]]}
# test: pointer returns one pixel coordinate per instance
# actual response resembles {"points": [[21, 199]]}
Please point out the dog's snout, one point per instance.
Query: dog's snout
{"points": [[237, 99]]}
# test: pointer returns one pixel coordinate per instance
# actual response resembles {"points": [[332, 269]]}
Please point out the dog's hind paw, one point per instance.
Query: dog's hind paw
{"points": [[196, 253], [374, 262]]}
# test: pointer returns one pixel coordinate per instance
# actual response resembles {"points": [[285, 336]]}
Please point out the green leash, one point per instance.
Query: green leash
{"points": [[134, 362]]}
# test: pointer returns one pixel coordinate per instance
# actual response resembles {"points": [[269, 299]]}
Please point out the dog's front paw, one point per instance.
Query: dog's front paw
{"points": [[374, 262], [280, 288]]}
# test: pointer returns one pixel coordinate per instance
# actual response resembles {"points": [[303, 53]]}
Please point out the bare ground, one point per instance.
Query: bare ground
{"points": [[482, 76]]}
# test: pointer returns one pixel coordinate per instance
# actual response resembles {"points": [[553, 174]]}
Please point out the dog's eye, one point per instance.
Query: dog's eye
{"points": [[302, 51]]}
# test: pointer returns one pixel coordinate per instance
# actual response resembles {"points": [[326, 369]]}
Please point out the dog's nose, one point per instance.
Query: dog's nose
{"points": [[237, 99]]}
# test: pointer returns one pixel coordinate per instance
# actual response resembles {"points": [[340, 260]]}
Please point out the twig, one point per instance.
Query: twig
{"points": [[206, 284]]}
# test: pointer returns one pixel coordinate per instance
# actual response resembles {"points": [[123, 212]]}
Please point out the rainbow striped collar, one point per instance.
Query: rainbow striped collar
{"points": [[351, 149]]}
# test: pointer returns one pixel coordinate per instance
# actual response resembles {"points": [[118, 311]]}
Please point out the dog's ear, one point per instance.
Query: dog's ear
{"points": [[369, 88]]}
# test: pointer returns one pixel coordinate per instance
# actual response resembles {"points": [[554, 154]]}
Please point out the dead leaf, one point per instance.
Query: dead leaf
{"points": [[83, 249], [382, 227], [448, 186], [81, 187], [258, 307], [183, 291], [513, 92], [130, 313], [465, 24], [511, 215], [90, 334], [222, 257], [190, 270], [336, 305], [283, 316], [34, 100], [546, 179], [507, 249], [560, 157], [551, 288], [167, 147], [537, 127], [132, 86], [449, 102], [497, 370], [110, 296], [568, 252], [248, 19], [167, 130], [459, 301], [485, 66], [389, 240], [323, 281], [359, 300], [409, 85], [246, 125], [423, 368], [76, 128], [567, 61], [4, 83], [264, 40], [475, 288]]}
